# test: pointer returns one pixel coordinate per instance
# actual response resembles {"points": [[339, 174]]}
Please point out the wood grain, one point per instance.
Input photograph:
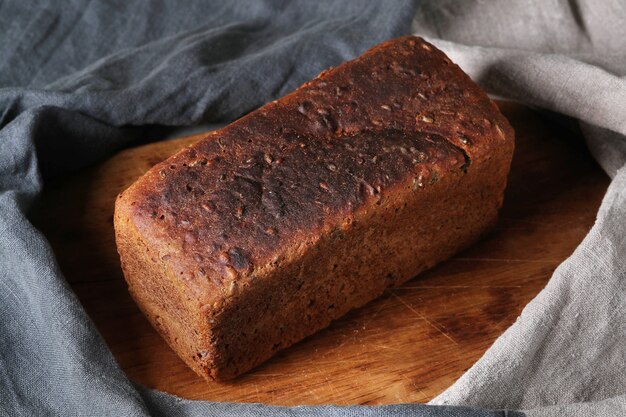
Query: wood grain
{"points": [[407, 346]]}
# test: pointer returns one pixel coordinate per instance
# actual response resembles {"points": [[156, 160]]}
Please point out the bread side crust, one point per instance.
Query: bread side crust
{"points": [[176, 316]]}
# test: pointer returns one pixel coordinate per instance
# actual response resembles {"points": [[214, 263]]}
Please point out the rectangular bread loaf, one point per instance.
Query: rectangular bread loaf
{"points": [[267, 230]]}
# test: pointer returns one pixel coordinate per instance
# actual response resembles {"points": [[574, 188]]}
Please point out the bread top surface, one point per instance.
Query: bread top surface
{"points": [[220, 211]]}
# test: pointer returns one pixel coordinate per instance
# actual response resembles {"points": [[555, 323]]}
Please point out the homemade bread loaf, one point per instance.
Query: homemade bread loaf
{"points": [[270, 228]]}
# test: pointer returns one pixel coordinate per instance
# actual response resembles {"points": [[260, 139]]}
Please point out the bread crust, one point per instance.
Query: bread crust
{"points": [[267, 230]]}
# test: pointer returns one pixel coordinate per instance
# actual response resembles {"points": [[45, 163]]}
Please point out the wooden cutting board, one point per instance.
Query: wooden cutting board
{"points": [[407, 346]]}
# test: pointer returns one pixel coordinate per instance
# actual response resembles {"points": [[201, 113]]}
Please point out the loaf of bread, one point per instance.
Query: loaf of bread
{"points": [[267, 230]]}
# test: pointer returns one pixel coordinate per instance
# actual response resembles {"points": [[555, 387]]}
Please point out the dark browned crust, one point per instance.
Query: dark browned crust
{"points": [[273, 226]]}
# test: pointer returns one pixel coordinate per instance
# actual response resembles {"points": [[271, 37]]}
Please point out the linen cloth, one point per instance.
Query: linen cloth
{"points": [[82, 79]]}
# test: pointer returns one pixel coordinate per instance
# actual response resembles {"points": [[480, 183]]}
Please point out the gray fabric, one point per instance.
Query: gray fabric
{"points": [[566, 353], [81, 79]]}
